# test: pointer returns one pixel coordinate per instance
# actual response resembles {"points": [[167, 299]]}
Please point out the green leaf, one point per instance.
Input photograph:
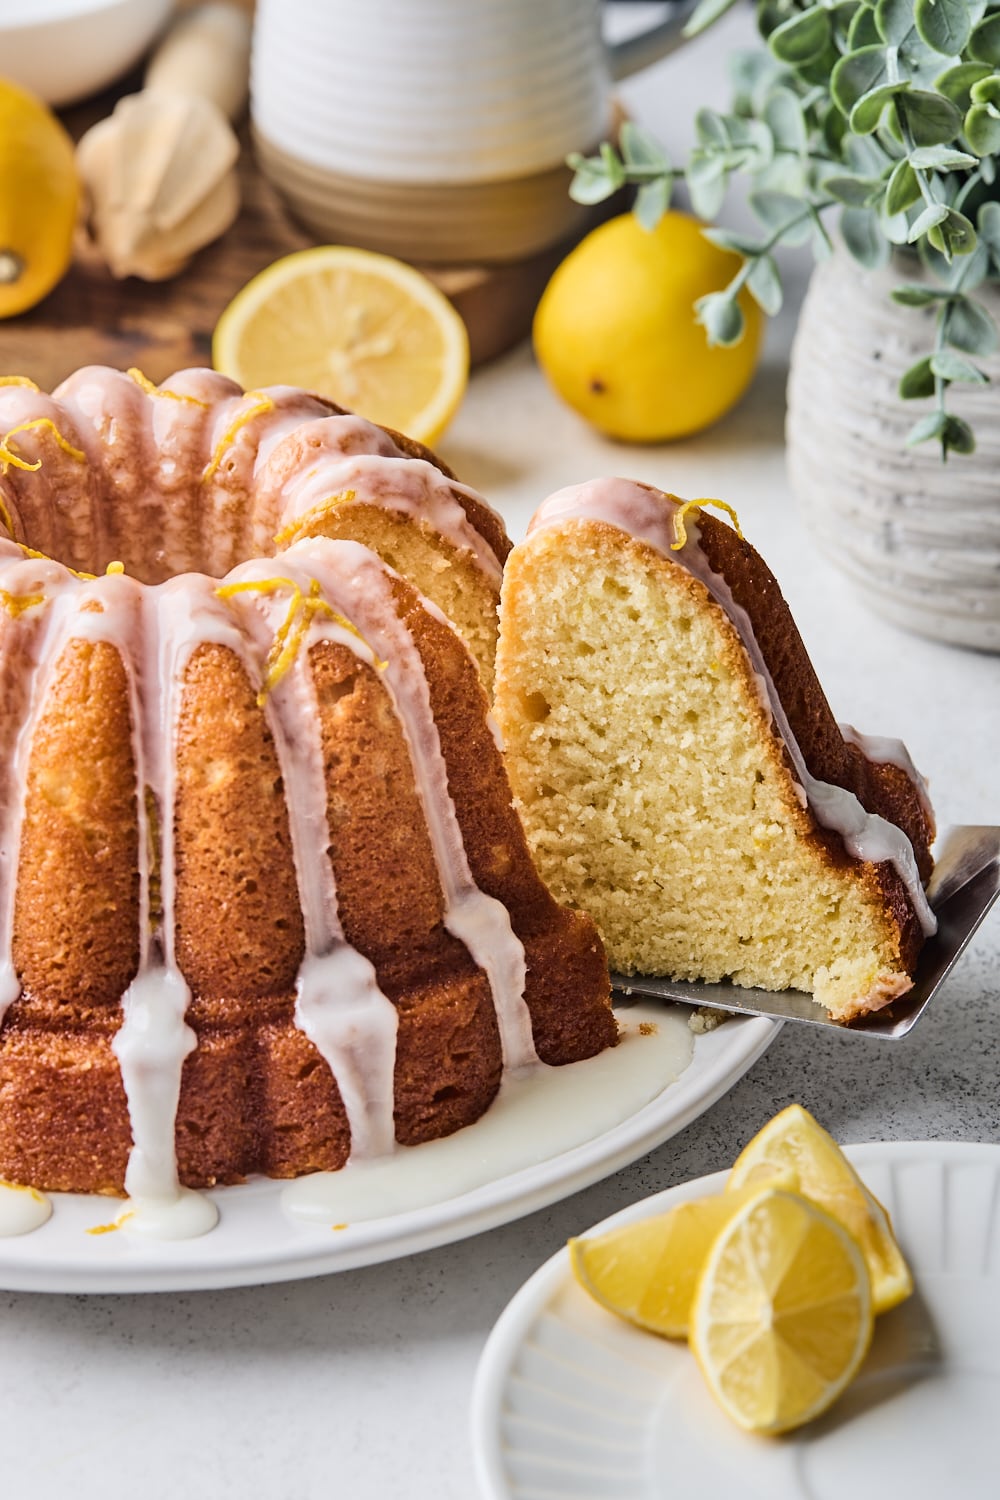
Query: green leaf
{"points": [[984, 45], [944, 25], [641, 149], [918, 381], [780, 211], [970, 327], [903, 189], [822, 245], [894, 19], [895, 226], [986, 90], [948, 366], [982, 129], [706, 182], [859, 228], [705, 15], [935, 213], [802, 37], [932, 119], [591, 182], [863, 31], [958, 437], [751, 142], [711, 129], [867, 113], [764, 285], [721, 317], [951, 432], [953, 235], [857, 74], [750, 74], [613, 164], [940, 159], [783, 116], [989, 229], [931, 426], [956, 83], [856, 192], [733, 239], [914, 294], [652, 200]]}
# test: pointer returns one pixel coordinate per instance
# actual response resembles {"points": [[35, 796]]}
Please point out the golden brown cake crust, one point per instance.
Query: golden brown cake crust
{"points": [[881, 788], [256, 1095]]}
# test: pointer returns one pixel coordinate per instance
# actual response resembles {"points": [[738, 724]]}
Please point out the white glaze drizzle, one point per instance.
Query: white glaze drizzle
{"points": [[648, 515], [408, 486], [886, 751], [22, 1209], [339, 1004], [134, 438], [357, 584]]}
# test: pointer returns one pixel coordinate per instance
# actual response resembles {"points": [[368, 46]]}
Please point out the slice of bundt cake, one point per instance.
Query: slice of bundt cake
{"points": [[265, 903], [197, 474], [679, 771]]}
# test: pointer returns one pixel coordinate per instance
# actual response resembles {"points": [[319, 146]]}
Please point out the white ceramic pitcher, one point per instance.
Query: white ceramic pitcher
{"points": [[436, 129]]}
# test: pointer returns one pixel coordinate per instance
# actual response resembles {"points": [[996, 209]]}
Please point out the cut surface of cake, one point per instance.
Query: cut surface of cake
{"points": [[265, 904], [678, 769]]}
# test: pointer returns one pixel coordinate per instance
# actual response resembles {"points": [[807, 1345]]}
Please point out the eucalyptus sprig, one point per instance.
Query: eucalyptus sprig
{"points": [[883, 112]]}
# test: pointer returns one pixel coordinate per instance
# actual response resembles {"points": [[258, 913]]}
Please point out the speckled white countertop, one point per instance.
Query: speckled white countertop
{"points": [[357, 1385]]}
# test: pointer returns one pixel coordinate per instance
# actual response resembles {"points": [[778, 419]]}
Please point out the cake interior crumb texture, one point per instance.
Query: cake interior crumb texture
{"points": [[654, 793]]}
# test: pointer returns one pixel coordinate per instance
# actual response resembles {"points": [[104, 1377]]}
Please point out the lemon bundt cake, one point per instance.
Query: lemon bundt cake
{"points": [[264, 900], [677, 767], [197, 475]]}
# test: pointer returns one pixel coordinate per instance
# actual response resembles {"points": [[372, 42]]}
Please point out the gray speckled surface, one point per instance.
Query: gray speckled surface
{"points": [[358, 1385]]}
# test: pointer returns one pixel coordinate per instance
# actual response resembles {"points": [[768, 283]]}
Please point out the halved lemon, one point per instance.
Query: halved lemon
{"points": [[793, 1141], [648, 1272], [365, 330], [782, 1316]]}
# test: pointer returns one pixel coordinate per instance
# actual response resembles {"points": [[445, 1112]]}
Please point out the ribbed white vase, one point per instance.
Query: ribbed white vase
{"points": [[920, 538]]}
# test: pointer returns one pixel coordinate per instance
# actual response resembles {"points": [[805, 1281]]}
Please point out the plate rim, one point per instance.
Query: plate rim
{"points": [[504, 1340], [487, 1207]]}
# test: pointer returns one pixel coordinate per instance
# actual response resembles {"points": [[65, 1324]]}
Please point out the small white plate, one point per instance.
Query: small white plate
{"points": [[572, 1402], [256, 1241]]}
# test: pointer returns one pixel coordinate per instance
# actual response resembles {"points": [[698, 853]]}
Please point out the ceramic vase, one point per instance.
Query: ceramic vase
{"points": [[919, 537]]}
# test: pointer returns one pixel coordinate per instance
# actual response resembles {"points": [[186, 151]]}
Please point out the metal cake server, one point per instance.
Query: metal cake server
{"points": [[965, 884]]}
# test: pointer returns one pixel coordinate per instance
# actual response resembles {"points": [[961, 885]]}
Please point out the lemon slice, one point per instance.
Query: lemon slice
{"points": [[365, 330], [648, 1272], [782, 1316], [793, 1141]]}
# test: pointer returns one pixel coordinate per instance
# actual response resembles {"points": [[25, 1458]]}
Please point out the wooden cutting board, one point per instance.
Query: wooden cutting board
{"points": [[160, 327]]}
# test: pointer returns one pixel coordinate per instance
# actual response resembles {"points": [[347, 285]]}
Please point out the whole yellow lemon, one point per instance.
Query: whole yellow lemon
{"points": [[615, 331], [38, 199]]}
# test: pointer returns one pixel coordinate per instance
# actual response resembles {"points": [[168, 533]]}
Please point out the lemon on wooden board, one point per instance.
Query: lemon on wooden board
{"points": [[616, 335], [793, 1141], [365, 330], [782, 1316], [39, 194]]}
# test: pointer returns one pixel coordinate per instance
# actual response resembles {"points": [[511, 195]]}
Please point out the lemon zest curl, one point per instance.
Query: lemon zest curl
{"points": [[301, 525], [288, 638], [261, 405], [144, 382], [680, 530]]}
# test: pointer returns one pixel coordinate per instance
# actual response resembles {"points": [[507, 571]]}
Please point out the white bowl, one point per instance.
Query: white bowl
{"points": [[64, 50]]}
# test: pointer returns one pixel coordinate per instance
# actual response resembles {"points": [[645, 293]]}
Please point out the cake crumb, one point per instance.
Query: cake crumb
{"points": [[700, 1021]]}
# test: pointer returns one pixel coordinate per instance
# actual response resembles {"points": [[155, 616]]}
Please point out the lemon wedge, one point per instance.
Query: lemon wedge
{"points": [[648, 1272], [782, 1316], [365, 330], [794, 1142]]}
